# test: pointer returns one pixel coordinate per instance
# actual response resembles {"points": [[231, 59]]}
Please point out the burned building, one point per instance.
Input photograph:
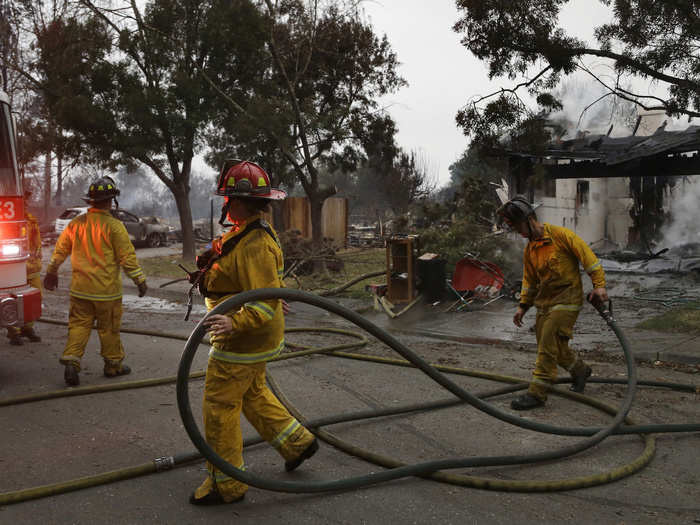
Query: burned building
{"points": [[615, 192]]}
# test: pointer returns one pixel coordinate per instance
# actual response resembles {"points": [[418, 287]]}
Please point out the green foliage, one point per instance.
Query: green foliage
{"points": [[470, 192], [453, 241], [652, 40], [317, 92], [682, 319], [129, 89]]}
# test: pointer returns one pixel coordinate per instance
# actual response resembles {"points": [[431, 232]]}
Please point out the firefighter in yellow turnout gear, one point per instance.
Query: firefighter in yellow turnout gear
{"points": [[552, 283], [98, 246], [246, 258], [15, 333]]}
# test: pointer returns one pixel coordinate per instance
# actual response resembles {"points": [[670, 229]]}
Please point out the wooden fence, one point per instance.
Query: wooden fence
{"points": [[295, 214]]}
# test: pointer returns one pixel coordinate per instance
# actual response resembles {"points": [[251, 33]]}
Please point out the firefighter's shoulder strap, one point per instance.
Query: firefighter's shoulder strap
{"points": [[230, 244], [226, 248]]}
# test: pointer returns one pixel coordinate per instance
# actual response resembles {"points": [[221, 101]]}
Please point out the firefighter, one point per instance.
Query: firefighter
{"points": [[14, 333], [98, 246], [552, 282], [245, 258]]}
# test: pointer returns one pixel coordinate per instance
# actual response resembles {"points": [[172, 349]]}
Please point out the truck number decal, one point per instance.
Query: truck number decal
{"points": [[8, 210], [11, 209]]}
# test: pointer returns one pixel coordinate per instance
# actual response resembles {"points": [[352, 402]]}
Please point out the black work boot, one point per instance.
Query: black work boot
{"points": [[526, 402], [111, 371], [308, 452], [579, 378], [214, 498], [15, 340], [30, 334], [70, 375]]}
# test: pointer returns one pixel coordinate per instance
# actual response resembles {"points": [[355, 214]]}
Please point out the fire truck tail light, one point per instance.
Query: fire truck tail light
{"points": [[11, 250], [9, 311]]}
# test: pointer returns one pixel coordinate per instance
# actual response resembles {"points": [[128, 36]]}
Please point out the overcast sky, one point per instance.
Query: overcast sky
{"points": [[441, 73]]}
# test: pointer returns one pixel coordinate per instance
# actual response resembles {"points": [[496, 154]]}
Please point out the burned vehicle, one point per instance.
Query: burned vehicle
{"points": [[149, 230], [364, 236]]}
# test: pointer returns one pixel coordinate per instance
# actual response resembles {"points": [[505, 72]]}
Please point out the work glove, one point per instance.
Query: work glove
{"points": [[193, 277], [51, 281], [143, 288], [203, 259]]}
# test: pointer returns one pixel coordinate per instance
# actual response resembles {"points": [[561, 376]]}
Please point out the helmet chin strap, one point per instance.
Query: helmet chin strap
{"points": [[224, 213]]}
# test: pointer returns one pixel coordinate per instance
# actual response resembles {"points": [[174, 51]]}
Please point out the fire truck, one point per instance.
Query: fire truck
{"points": [[19, 302]]}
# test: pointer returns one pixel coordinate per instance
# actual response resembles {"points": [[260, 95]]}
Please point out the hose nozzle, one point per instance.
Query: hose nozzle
{"points": [[605, 311]]}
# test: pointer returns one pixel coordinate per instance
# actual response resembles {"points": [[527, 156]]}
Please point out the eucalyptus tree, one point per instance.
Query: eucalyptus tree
{"points": [[126, 81], [326, 70], [646, 41]]}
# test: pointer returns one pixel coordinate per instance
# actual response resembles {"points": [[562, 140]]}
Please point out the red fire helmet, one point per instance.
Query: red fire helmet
{"points": [[246, 179]]}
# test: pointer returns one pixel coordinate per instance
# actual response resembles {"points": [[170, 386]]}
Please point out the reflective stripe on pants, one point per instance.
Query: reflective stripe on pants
{"points": [[230, 389], [82, 315]]}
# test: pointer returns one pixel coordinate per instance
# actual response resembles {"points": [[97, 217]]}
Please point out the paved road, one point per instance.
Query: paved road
{"points": [[52, 441]]}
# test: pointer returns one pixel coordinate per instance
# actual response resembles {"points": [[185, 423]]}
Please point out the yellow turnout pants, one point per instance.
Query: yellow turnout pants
{"points": [[229, 389], [108, 317], [553, 328], [35, 282]]}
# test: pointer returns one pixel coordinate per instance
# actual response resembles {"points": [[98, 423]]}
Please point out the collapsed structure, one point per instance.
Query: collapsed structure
{"points": [[614, 192]]}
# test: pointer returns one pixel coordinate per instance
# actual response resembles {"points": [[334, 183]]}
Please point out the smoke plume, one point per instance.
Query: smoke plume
{"points": [[683, 228]]}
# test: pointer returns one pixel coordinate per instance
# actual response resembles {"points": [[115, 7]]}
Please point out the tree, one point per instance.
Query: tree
{"points": [[127, 83], [384, 177], [649, 40], [325, 71]]}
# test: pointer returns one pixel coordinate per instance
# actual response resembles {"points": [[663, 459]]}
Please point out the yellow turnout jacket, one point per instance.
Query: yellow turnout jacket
{"points": [[258, 327], [551, 276], [98, 246]]}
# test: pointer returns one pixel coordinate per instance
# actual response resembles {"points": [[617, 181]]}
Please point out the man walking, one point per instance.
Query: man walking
{"points": [[552, 282], [247, 257], [98, 246]]}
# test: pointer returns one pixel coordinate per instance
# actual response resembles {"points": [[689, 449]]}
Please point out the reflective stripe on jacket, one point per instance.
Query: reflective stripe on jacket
{"points": [[551, 276], [34, 245], [98, 246], [258, 327]]}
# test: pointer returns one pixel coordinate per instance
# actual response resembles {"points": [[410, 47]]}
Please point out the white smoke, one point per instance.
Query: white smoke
{"points": [[684, 226]]}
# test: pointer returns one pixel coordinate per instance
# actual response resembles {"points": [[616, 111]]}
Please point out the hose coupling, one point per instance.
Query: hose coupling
{"points": [[606, 312], [164, 463]]}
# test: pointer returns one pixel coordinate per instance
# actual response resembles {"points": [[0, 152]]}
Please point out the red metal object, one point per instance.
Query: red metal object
{"points": [[484, 279], [11, 208], [32, 305]]}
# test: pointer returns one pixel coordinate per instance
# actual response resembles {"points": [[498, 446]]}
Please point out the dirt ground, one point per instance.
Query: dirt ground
{"points": [[56, 440]]}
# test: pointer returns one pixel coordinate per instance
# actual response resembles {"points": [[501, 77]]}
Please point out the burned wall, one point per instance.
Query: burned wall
{"points": [[596, 209]]}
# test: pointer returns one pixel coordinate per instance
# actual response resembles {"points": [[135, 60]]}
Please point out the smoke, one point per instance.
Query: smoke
{"points": [[685, 214], [587, 109]]}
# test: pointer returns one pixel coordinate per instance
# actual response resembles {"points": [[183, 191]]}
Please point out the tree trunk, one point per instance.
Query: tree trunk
{"points": [[316, 207], [184, 210], [47, 185], [59, 180]]}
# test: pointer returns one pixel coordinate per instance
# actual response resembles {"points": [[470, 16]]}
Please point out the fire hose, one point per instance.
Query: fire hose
{"points": [[427, 469]]}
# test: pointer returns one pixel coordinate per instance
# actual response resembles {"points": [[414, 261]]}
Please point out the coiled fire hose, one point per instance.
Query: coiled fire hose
{"points": [[595, 434], [167, 462]]}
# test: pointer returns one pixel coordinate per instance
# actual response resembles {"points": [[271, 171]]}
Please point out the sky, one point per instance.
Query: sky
{"points": [[442, 75]]}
